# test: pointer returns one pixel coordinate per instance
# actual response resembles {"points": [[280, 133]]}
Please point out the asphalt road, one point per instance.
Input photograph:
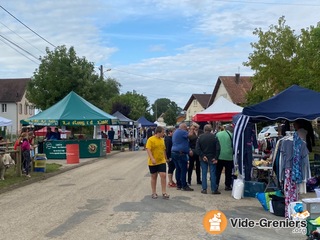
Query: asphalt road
{"points": [[111, 199]]}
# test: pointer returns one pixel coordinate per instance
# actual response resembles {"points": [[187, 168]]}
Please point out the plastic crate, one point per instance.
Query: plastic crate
{"points": [[312, 205]]}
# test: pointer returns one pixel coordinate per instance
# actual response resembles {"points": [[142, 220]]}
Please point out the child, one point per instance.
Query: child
{"points": [[25, 149]]}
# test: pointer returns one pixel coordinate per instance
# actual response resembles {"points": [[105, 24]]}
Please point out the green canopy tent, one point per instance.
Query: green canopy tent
{"points": [[72, 110]]}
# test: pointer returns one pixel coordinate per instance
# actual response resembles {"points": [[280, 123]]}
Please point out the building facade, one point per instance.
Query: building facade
{"points": [[13, 102]]}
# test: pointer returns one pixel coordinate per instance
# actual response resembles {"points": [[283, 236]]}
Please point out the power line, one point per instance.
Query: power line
{"points": [[27, 26], [18, 51], [22, 38], [8, 40], [162, 79]]}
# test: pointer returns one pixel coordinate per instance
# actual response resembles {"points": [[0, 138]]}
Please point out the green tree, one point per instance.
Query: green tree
{"points": [[281, 58], [62, 71], [167, 107], [274, 60], [308, 52], [170, 117], [135, 104]]}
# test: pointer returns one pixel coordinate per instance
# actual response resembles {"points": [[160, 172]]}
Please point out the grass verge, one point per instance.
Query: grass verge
{"points": [[11, 177]]}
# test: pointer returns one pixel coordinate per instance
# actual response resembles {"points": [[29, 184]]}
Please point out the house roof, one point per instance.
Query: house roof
{"points": [[201, 98], [12, 90], [237, 87]]}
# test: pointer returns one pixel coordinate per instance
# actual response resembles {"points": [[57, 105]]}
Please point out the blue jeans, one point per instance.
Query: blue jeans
{"points": [[181, 163], [204, 168]]}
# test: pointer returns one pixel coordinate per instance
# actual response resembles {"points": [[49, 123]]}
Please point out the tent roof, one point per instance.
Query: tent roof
{"points": [[293, 103], [72, 110], [145, 123], [5, 122], [123, 120], [221, 110]]}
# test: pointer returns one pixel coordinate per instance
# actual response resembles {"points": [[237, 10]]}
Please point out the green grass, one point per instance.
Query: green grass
{"points": [[11, 177]]}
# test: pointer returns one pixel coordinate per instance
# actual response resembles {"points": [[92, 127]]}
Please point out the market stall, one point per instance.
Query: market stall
{"points": [[221, 110], [293, 104], [71, 111]]}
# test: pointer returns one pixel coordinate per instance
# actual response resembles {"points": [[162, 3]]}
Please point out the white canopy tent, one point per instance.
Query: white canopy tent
{"points": [[5, 122], [221, 110]]}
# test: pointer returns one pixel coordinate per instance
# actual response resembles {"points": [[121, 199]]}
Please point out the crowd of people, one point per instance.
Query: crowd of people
{"points": [[185, 149]]}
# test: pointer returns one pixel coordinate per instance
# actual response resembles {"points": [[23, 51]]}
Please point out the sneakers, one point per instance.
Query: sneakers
{"points": [[187, 188], [204, 191], [178, 188], [199, 183], [228, 189], [216, 192], [172, 184]]}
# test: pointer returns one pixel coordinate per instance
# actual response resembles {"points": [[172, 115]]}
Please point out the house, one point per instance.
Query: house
{"points": [[182, 117], [233, 88], [196, 103], [13, 102]]}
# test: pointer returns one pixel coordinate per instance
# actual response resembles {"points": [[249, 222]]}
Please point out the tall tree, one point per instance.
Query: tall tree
{"points": [[161, 105], [132, 103], [62, 71], [167, 107], [274, 61], [308, 72]]}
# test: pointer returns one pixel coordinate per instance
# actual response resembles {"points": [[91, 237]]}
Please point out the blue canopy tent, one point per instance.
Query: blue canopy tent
{"points": [[143, 122], [291, 104]]}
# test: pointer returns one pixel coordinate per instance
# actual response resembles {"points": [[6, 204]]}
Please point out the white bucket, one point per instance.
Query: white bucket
{"points": [[317, 190], [238, 188]]}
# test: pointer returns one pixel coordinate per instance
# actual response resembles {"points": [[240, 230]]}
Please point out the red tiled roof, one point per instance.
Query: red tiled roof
{"points": [[201, 98], [12, 90], [237, 88]]}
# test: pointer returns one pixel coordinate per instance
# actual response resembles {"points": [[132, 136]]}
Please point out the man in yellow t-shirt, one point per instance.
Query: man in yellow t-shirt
{"points": [[157, 160]]}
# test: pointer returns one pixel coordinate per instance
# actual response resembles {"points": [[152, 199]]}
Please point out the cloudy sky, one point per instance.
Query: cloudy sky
{"points": [[159, 48]]}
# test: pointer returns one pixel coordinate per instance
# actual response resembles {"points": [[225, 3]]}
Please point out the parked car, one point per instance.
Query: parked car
{"points": [[269, 131]]}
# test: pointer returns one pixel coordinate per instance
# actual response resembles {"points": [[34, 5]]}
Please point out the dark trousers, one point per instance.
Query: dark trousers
{"points": [[194, 160], [181, 163], [26, 161], [228, 166]]}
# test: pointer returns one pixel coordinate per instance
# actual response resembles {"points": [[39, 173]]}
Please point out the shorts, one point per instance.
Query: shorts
{"points": [[171, 167], [158, 168]]}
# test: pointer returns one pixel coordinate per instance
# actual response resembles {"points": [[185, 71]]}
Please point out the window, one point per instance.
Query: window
{"points": [[4, 107], [195, 103], [26, 109], [30, 110], [20, 108]]}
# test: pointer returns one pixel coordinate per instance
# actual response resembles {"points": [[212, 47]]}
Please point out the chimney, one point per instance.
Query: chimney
{"points": [[237, 78]]}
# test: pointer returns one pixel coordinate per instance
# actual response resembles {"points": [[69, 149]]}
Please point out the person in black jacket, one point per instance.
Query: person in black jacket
{"points": [[194, 132], [208, 148], [171, 166]]}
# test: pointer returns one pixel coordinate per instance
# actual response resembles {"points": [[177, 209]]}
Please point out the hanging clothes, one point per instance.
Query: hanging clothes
{"points": [[294, 167]]}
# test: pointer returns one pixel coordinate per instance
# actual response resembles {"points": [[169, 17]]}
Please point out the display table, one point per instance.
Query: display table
{"points": [[265, 173], [88, 148]]}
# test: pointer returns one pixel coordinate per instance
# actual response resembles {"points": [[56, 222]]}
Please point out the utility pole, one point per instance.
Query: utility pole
{"points": [[101, 72], [156, 110]]}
